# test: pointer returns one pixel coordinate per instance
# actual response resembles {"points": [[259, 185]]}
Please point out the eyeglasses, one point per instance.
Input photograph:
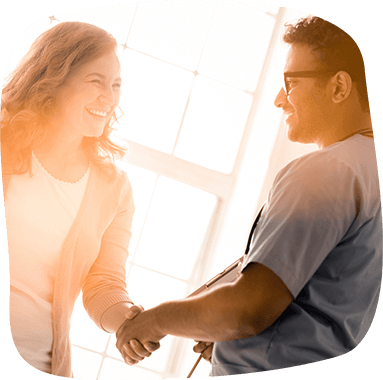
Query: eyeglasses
{"points": [[304, 74]]}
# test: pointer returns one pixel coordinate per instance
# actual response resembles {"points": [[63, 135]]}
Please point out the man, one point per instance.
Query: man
{"points": [[310, 282]]}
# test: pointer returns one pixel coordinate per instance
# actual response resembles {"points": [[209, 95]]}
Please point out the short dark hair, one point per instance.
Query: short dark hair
{"points": [[336, 49]]}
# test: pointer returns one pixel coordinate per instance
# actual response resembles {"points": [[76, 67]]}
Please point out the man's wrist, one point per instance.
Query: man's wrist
{"points": [[164, 317]]}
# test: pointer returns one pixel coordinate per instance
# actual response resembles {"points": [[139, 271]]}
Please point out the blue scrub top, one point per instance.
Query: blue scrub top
{"points": [[321, 233]]}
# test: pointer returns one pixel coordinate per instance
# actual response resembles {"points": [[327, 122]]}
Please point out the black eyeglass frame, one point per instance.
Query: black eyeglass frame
{"points": [[304, 74]]}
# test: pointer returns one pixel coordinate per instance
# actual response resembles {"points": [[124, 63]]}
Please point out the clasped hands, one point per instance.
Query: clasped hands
{"points": [[139, 336]]}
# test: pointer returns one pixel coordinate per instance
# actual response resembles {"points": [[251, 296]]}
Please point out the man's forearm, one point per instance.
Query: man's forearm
{"points": [[212, 317], [232, 311]]}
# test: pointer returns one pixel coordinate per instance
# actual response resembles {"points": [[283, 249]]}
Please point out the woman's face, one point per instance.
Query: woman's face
{"points": [[88, 97]]}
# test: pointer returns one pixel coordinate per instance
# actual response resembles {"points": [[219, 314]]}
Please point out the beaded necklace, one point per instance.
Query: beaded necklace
{"points": [[364, 132]]}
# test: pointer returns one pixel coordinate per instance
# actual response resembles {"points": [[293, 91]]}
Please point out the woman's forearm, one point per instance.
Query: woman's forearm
{"points": [[115, 316]]}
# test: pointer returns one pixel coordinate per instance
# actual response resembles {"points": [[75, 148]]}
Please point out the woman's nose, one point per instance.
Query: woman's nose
{"points": [[280, 99], [108, 97]]}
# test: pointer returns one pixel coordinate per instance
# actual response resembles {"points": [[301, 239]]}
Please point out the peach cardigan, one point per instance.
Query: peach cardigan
{"points": [[92, 259]]}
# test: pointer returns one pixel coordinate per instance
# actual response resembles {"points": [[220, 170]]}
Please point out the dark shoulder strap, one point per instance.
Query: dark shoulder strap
{"points": [[253, 228]]}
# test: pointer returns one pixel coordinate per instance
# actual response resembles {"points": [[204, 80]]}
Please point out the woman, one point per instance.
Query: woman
{"points": [[68, 208]]}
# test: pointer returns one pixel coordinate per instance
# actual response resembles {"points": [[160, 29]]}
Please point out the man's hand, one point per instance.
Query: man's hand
{"points": [[138, 336], [134, 351], [206, 348]]}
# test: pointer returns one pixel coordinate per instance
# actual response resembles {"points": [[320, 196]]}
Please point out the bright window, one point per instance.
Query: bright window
{"points": [[153, 100], [200, 126], [185, 213], [214, 123]]}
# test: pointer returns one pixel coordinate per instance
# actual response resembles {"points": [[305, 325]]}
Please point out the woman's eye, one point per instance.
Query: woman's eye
{"points": [[98, 82]]}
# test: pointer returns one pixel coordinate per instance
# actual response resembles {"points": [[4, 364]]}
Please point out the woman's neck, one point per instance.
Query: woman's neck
{"points": [[64, 159], [60, 149]]}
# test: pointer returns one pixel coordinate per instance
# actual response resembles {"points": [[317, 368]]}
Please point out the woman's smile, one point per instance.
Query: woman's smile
{"points": [[97, 113]]}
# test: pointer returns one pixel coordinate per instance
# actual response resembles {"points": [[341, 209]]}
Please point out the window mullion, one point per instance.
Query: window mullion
{"points": [[179, 170]]}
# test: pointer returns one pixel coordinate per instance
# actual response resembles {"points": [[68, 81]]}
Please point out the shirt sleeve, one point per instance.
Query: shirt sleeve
{"points": [[105, 284], [309, 209]]}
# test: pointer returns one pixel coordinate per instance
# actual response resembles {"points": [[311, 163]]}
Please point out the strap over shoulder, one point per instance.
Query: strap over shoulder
{"points": [[253, 228]]}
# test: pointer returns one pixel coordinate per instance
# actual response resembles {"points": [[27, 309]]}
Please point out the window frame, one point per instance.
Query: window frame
{"points": [[226, 187]]}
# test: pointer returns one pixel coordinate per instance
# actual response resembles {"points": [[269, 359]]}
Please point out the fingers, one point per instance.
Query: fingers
{"points": [[139, 349], [133, 311], [201, 346], [206, 348], [134, 351], [151, 346], [129, 356], [207, 353]]}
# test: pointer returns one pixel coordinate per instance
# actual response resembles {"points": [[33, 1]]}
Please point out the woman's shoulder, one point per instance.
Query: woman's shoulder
{"points": [[111, 176]]}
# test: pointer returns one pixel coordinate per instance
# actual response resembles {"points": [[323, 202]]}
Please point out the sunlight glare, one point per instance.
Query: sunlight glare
{"points": [[113, 369], [85, 364], [84, 332], [215, 120], [153, 100], [142, 182], [175, 228], [236, 46], [174, 31]]}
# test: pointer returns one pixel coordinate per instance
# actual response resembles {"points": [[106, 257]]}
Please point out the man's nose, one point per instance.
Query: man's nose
{"points": [[281, 98]]}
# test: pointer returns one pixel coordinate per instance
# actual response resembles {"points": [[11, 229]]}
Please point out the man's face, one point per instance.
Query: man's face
{"points": [[306, 104]]}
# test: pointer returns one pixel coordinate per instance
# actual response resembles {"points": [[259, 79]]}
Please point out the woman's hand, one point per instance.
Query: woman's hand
{"points": [[134, 351], [206, 348]]}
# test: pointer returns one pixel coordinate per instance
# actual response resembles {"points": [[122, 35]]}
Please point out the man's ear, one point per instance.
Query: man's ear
{"points": [[341, 86]]}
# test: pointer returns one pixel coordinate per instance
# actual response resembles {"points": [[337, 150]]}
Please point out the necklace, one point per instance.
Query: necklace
{"points": [[365, 132], [54, 178]]}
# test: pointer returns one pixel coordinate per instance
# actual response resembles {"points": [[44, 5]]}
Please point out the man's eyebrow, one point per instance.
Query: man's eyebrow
{"points": [[102, 76]]}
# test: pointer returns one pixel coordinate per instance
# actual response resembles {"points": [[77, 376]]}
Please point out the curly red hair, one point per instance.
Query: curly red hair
{"points": [[30, 90]]}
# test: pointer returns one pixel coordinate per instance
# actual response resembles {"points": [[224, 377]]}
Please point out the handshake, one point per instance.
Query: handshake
{"points": [[140, 334]]}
